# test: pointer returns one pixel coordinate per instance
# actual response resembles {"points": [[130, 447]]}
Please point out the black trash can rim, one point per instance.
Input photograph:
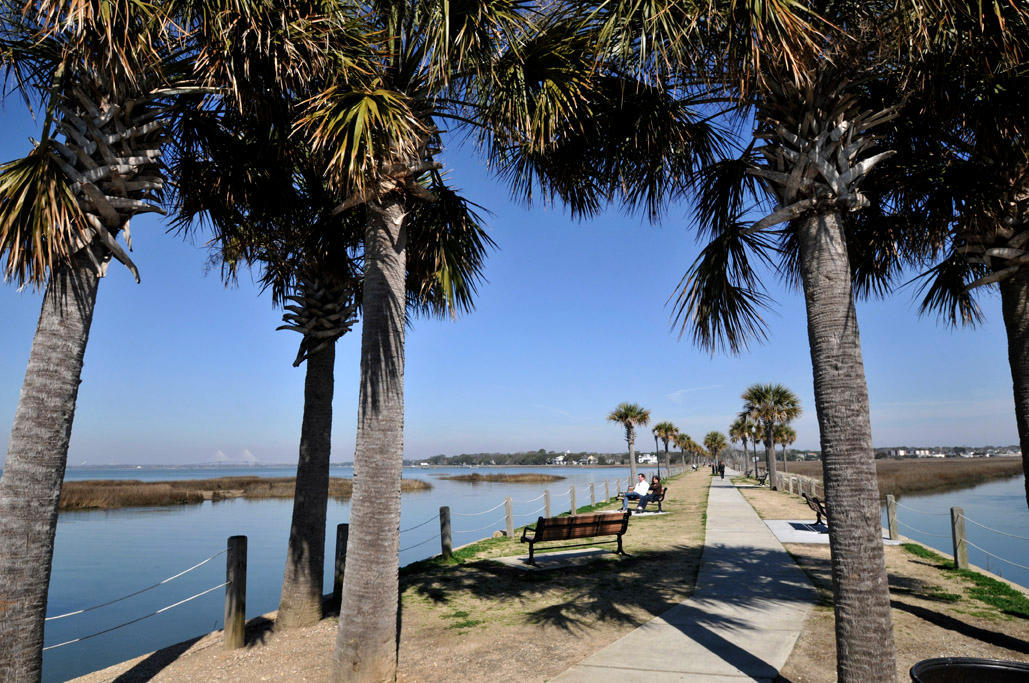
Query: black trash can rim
{"points": [[967, 663]]}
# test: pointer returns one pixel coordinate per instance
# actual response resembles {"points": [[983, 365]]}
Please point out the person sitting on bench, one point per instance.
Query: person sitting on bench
{"points": [[639, 492], [652, 494]]}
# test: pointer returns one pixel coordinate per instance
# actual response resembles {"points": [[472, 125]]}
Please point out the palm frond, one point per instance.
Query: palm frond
{"points": [[946, 293], [41, 222]]}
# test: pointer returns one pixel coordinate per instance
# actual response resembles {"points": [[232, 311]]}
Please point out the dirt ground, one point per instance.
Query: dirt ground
{"points": [[933, 613], [481, 619]]}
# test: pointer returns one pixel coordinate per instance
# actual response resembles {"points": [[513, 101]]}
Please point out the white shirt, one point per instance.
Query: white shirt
{"points": [[642, 488]]}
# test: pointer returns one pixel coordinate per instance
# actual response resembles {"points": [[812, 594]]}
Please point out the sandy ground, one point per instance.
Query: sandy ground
{"points": [[479, 621], [933, 615]]}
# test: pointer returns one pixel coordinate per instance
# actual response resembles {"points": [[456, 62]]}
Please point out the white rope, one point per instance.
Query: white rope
{"points": [[430, 538], [530, 515], [141, 590], [922, 512], [927, 533], [476, 514], [416, 526], [998, 531], [488, 526], [1002, 559], [127, 623], [533, 500]]}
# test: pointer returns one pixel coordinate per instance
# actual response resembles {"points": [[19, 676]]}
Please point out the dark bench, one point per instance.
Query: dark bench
{"points": [[762, 479], [653, 499], [815, 504], [577, 526]]}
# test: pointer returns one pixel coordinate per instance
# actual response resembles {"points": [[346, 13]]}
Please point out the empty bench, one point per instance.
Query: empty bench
{"points": [[575, 527], [816, 506], [761, 479], [653, 499]]}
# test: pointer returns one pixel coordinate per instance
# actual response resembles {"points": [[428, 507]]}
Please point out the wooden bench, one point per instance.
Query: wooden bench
{"points": [[762, 479], [816, 505], [577, 526], [658, 499]]}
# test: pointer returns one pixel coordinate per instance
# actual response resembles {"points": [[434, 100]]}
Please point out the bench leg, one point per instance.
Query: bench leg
{"points": [[531, 560], [620, 551]]}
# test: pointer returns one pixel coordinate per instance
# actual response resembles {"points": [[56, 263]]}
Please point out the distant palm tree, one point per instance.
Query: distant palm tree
{"points": [[684, 443], [630, 416], [665, 431], [738, 432], [784, 436], [770, 405], [715, 443]]}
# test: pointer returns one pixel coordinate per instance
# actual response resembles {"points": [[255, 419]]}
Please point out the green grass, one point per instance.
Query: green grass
{"points": [[980, 587]]}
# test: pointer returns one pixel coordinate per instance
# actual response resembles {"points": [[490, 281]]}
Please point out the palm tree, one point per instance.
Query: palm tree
{"points": [[101, 76], [526, 91], [784, 436], [978, 126], [665, 431], [738, 432], [770, 405], [630, 416], [715, 443], [684, 443]]}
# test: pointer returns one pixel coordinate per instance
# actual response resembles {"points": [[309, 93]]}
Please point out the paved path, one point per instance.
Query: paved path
{"points": [[744, 617]]}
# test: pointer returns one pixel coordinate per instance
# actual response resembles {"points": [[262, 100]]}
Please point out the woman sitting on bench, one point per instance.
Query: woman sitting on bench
{"points": [[639, 493], [654, 493]]}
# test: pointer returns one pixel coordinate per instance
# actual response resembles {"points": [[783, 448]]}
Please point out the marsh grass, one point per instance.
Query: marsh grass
{"points": [[898, 477], [106, 494], [527, 478]]}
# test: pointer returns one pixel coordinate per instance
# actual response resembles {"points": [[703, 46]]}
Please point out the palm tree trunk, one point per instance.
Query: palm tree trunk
{"points": [[632, 461], [301, 602], [668, 463], [784, 468], [30, 488], [366, 642], [1014, 297], [864, 631], [770, 455]]}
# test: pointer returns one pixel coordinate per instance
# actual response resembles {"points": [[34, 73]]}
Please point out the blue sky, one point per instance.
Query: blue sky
{"points": [[572, 321]]}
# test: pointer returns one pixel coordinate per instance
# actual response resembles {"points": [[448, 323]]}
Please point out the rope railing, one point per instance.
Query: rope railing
{"points": [[136, 620], [921, 512], [488, 526], [430, 538], [418, 526], [998, 557], [921, 531], [135, 593], [476, 514], [997, 531], [531, 500]]}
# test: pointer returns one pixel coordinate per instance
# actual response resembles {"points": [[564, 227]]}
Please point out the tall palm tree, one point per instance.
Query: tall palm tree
{"points": [[770, 405], [630, 416], [684, 443], [784, 436], [975, 80], [525, 91], [715, 443], [665, 431], [101, 74], [738, 432]]}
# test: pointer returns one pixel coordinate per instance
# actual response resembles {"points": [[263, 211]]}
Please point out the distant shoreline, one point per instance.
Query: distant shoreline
{"points": [[110, 494]]}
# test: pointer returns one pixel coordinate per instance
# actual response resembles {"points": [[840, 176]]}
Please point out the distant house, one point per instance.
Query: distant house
{"points": [[559, 460], [646, 459]]}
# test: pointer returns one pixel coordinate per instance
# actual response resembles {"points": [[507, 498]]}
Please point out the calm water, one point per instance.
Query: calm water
{"points": [[102, 555], [999, 505]]}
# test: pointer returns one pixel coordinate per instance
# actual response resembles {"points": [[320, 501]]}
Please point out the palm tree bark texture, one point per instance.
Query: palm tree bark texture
{"points": [[301, 602], [864, 631], [366, 640], [1014, 298], [36, 457]]}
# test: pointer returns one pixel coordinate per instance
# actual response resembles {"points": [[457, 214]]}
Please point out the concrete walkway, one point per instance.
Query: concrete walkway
{"points": [[745, 615]]}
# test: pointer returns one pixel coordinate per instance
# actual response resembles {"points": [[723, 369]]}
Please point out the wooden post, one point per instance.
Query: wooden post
{"points": [[342, 534], [593, 494], [957, 530], [573, 500], [618, 486], [891, 516], [509, 513], [607, 490], [235, 593], [445, 537], [546, 502]]}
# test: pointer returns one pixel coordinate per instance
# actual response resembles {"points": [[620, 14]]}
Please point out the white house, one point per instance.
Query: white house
{"points": [[646, 458]]}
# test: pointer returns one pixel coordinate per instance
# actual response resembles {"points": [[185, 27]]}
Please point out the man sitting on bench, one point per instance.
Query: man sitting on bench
{"points": [[639, 493]]}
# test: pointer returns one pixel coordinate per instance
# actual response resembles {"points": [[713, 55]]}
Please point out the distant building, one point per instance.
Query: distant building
{"points": [[559, 460], [646, 459]]}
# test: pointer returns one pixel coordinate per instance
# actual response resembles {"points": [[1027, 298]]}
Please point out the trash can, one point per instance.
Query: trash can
{"points": [[969, 670]]}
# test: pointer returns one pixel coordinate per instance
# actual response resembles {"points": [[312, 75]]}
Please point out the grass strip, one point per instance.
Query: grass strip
{"points": [[983, 588]]}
